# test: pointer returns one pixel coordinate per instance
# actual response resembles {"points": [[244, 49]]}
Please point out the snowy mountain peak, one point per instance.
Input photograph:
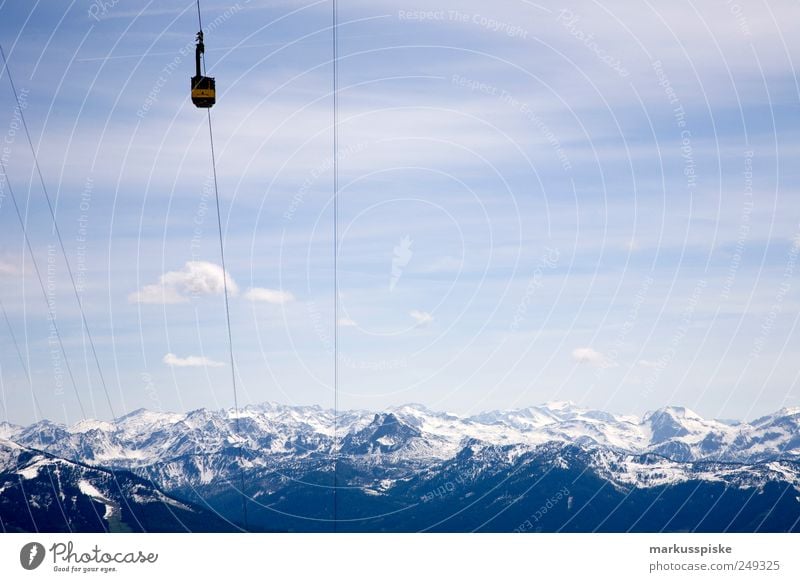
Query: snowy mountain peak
{"points": [[385, 434], [560, 405], [411, 451], [676, 412], [789, 413], [7, 429], [143, 417], [88, 425], [412, 431]]}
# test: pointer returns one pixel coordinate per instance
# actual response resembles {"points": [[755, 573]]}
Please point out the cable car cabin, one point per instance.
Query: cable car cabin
{"points": [[204, 92]]}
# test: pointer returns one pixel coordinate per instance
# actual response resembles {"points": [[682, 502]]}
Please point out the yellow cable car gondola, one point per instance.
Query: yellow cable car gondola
{"points": [[204, 92]]}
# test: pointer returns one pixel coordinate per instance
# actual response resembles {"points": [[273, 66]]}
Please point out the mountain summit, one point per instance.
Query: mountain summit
{"points": [[289, 459]]}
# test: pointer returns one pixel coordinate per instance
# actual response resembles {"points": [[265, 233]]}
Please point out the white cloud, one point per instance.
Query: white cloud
{"points": [[195, 278], [264, 295], [347, 322], [592, 357], [421, 317], [190, 361]]}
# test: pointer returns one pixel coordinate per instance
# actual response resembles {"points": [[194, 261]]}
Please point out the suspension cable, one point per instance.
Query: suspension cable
{"points": [[22, 362], [38, 414], [50, 311], [60, 239], [199, 18], [227, 317], [236, 419], [335, 35]]}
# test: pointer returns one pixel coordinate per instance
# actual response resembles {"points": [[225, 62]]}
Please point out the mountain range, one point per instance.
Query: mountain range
{"points": [[553, 467]]}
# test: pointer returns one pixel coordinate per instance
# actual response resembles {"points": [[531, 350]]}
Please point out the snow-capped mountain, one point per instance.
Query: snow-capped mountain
{"points": [[144, 437], [40, 492], [283, 456]]}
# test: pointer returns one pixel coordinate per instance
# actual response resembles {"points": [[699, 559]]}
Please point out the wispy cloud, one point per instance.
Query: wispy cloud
{"points": [[421, 317], [446, 180], [194, 279], [171, 359], [591, 357], [264, 295], [401, 257]]}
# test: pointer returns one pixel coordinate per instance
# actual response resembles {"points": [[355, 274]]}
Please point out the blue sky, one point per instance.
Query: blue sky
{"points": [[585, 201]]}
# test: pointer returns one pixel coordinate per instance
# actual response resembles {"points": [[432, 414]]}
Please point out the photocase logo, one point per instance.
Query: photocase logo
{"points": [[31, 555], [402, 256]]}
